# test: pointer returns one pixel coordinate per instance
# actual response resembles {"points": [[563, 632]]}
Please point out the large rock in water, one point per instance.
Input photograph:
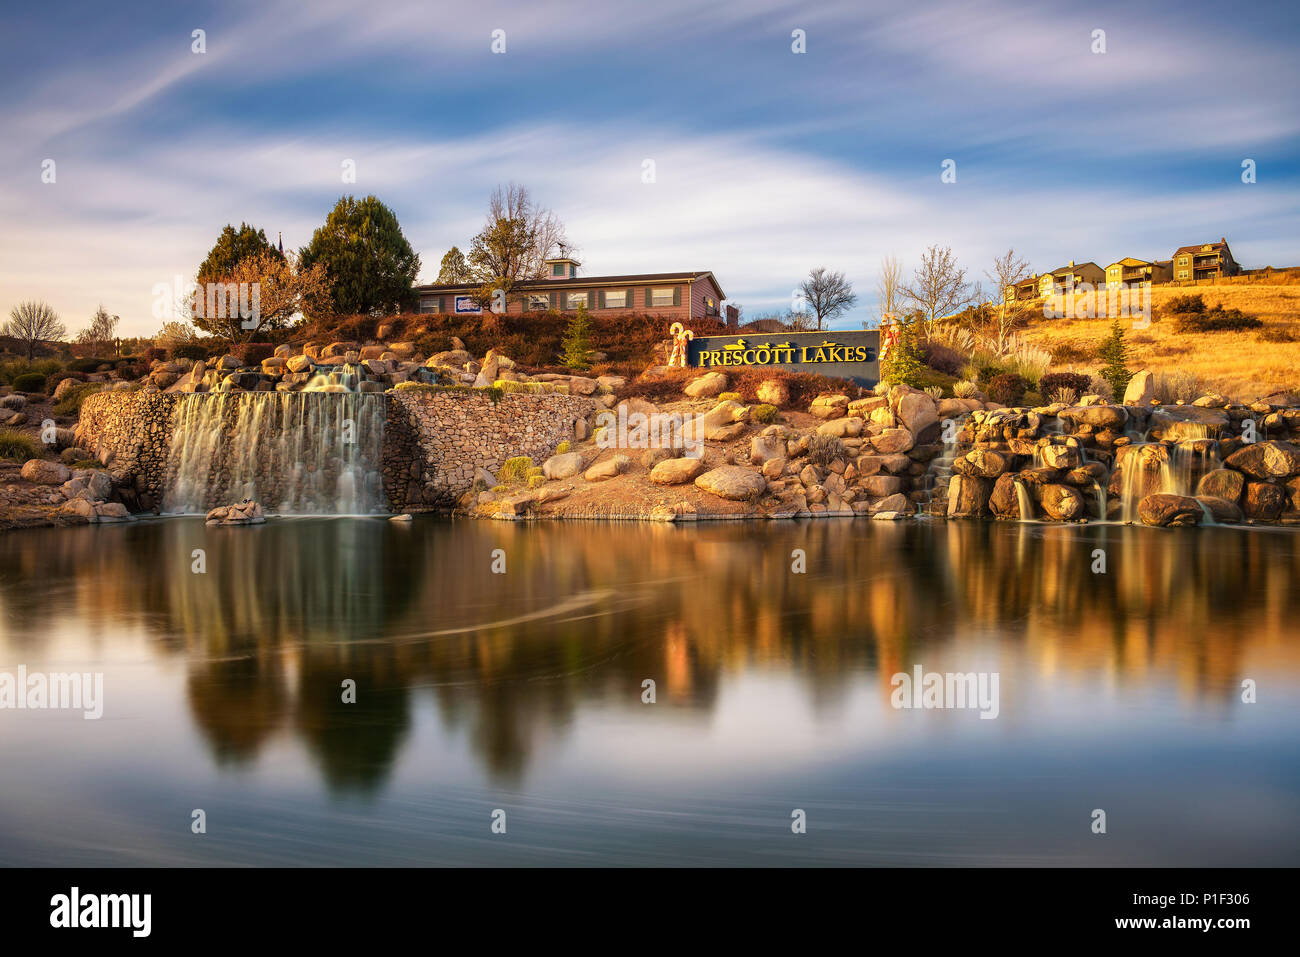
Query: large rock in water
{"points": [[677, 471], [43, 472], [1264, 502], [1220, 509], [983, 463], [245, 513], [917, 411], [1163, 510], [968, 496], [1222, 484], [1062, 503], [1265, 460], [733, 482]]}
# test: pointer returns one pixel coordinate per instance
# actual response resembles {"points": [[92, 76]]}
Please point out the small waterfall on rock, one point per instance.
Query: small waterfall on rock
{"points": [[294, 452], [1024, 503], [938, 473]]}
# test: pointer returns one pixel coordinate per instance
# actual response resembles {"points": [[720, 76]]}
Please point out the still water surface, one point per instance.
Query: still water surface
{"points": [[523, 692]]}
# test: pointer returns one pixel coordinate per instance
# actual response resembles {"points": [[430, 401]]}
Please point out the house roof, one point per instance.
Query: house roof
{"points": [[1070, 270], [582, 282], [1130, 261], [1212, 247]]}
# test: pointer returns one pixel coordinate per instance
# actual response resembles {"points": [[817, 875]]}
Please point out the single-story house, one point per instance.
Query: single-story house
{"points": [[685, 295]]}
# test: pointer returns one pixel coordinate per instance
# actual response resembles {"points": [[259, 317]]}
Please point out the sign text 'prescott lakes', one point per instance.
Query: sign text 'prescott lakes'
{"points": [[849, 355]]}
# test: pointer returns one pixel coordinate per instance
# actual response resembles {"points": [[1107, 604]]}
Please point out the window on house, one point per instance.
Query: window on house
{"points": [[616, 300], [540, 302], [557, 269], [710, 306], [429, 305], [661, 297], [575, 299], [1182, 274]]}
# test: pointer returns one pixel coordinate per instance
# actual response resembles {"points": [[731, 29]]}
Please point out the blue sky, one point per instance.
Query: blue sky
{"points": [[767, 162]]}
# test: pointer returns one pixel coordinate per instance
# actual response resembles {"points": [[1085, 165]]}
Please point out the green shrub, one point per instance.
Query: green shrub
{"points": [[964, 390], [18, 445], [88, 464], [1287, 333], [535, 481], [29, 382], [577, 341], [1217, 319], [904, 363], [729, 397], [1185, 306], [1113, 351], [515, 469], [88, 364], [563, 447], [765, 414], [1007, 388]]}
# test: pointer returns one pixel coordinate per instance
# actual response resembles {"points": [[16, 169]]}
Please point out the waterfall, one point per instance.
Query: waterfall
{"points": [[296, 453], [1024, 504], [1151, 467]]}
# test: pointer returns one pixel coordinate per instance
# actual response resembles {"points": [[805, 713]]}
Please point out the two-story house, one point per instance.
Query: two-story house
{"points": [[1210, 261]]}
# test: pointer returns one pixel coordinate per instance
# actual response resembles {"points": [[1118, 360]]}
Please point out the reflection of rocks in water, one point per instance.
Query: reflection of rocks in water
{"points": [[238, 704], [586, 612], [356, 744]]}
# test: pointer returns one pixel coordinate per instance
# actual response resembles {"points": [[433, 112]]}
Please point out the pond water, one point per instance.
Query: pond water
{"points": [[522, 691]]}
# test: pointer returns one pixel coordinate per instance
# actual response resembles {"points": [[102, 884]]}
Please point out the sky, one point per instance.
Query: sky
{"points": [[766, 162]]}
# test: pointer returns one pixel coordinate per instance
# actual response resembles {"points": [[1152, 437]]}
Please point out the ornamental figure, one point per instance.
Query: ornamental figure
{"points": [[681, 336], [888, 335]]}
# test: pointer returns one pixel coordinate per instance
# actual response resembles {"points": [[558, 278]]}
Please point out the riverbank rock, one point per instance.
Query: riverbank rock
{"points": [[562, 466], [1221, 510], [968, 496], [610, 468], [112, 512], [1164, 511], [44, 472], [1141, 389], [1062, 503], [1264, 502], [677, 471], [733, 482], [245, 513]]}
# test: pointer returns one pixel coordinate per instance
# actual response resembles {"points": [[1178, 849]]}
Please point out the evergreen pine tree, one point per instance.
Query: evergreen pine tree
{"points": [[904, 363], [1113, 353], [577, 340]]}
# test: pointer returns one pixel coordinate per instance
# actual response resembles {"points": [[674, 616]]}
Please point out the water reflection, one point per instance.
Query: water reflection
{"points": [[262, 643]]}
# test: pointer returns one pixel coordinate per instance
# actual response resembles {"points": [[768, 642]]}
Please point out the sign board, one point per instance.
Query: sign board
{"points": [[466, 305], [841, 355]]}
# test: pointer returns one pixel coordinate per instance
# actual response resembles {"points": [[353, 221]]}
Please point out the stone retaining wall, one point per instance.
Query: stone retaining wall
{"points": [[434, 440]]}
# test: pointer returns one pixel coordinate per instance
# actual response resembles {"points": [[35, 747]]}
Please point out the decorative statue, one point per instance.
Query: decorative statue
{"points": [[681, 336], [888, 335]]}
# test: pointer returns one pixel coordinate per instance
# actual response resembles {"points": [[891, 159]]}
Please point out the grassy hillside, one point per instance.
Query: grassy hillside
{"points": [[1241, 365]]}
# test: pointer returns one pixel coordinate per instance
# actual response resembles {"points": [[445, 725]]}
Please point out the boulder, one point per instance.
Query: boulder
{"points": [[247, 512], [1221, 510], [765, 447], [1265, 460], [111, 512], [44, 472], [1141, 389], [863, 408], [77, 511], [1062, 503], [830, 406], [773, 392], [607, 469], [1163, 511], [298, 363], [897, 503], [581, 385], [62, 389], [968, 496], [1222, 484], [733, 482], [880, 485], [677, 471], [706, 386], [917, 411], [725, 433], [1264, 502], [563, 465], [984, 463], [891, 441], [653, 456], [1098, 416], [1059, 456], [1004, 501], [842, 428]]}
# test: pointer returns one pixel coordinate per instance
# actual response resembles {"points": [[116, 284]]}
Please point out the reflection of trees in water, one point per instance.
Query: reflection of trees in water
{"points": [[585, 612]]}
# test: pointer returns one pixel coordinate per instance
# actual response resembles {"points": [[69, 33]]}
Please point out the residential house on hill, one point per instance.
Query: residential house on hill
{"points": [[1210, 261], [1129, 271], [1070, 275], [685, 295]]}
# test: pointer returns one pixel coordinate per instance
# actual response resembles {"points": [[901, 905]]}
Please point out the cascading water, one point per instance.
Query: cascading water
{"points": [[295, 452]]}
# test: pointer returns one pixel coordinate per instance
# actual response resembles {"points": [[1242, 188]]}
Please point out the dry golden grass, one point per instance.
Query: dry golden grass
{"points": [[1241, 365]]}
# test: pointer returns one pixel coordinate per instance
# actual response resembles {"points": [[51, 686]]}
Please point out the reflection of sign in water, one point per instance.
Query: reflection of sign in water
{"points": [[467, 304], [844, 355]]}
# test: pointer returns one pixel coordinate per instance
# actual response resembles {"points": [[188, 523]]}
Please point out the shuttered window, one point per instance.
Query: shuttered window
{"points": [[575, 299], [665, 296], [614, 300]]}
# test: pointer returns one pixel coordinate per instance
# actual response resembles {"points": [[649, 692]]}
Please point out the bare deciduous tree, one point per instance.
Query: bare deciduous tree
{"points": [[517, 238], [99, 333], [32, 323], [827, 293], [889, 288], [939, 287], [1008, 271]]}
